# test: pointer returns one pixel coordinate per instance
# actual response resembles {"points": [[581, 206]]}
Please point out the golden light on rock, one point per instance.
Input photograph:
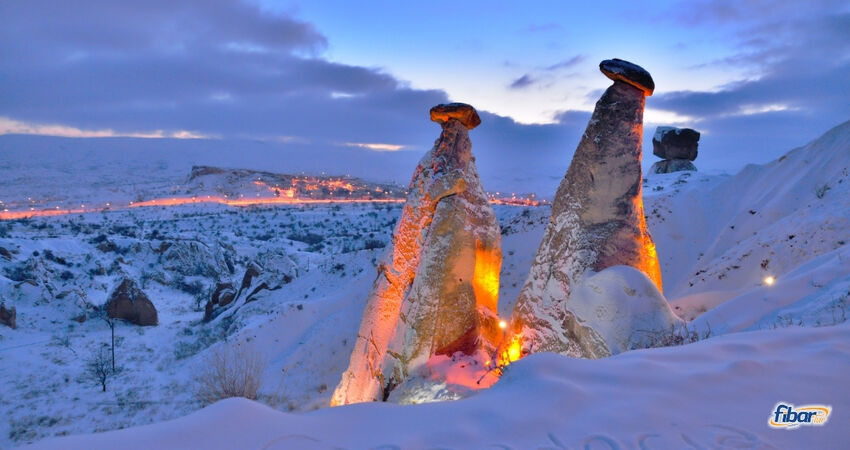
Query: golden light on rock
{"points": [[485, 277], [649, 260]]}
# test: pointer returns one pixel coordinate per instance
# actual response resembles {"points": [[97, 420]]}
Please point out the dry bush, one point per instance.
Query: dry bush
{"points": [[230, 371], [676, 335]]}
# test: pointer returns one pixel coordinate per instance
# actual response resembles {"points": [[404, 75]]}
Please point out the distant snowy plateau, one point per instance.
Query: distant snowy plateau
{"points": [[757, 263]]}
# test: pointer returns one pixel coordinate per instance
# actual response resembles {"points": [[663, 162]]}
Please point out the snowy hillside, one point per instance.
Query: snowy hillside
{"points": [[719, 239], [714, 394]]}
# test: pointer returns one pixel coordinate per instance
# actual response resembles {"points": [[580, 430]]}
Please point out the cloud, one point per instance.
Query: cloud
{"points": [[225, 68], [234, 71], [376, 146], [567, 63], [10, 126], [522, 82], [252, 79], [798, 58]]}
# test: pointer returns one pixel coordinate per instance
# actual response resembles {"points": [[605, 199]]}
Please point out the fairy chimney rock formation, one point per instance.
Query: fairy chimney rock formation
{"points": [[597, 222], [438, 281], [677, 147]]}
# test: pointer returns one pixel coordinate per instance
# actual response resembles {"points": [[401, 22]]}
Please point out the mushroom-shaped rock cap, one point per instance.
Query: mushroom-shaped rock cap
{"points": [[466, 114], [637, 76]]}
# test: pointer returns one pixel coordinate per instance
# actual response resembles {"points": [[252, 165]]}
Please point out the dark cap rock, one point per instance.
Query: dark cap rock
{"points": [[633, 74], [466, 114], [675, 143]]}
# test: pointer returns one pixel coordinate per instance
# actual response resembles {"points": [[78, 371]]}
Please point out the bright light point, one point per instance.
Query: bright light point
{"points": [[503, 324], [769, 280]]}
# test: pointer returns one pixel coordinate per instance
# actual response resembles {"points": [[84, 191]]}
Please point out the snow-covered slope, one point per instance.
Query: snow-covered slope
{"points": [[713, 394], [720, 238]]}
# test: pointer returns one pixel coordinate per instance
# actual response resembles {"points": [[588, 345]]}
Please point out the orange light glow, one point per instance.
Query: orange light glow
{"points": [[648, 261], [512, 352], [302, 192], [485, 278]]}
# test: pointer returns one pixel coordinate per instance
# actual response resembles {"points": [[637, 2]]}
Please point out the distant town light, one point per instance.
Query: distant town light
{"points": [[769, 280], [503, 324]]}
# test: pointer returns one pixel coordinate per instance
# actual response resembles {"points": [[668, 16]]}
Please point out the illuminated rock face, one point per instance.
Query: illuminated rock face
{"points": [[438, 282], [597, 222]]}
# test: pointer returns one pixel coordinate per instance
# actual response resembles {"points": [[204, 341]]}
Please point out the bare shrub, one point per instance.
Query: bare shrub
{"points": [[99, 367], [821, 190], [674, 336], [230, 371]]}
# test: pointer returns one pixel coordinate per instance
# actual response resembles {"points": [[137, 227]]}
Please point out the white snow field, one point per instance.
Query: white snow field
{"points": [[757, 264], [717, 393]]}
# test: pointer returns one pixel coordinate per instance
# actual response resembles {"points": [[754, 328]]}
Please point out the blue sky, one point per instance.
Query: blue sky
{"points": [[316, 78], [477, 50]]}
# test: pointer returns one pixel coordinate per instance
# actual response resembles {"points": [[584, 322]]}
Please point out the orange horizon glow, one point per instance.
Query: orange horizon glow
{"points": [[175, 201], [286, 197]]}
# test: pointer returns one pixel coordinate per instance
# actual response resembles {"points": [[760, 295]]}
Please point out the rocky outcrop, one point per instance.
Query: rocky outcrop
{"points": [[130, 303], [438, 281], [268, 271], [8, 317], [677, 147], [672, 165], [223, 294], [597, 222], [196, 258]]}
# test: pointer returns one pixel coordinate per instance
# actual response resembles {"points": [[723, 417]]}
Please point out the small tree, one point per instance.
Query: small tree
{"points": [[111, 322], [99, 367], [230, 371]]}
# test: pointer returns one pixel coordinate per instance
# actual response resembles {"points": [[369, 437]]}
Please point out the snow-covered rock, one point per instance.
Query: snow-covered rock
{"points": [[597, 222], [438, 282], [194, 257], [618, 309]]}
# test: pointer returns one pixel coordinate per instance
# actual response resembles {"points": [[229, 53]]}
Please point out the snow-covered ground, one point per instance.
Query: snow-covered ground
{"points": [[718, 237], [717, 393]]}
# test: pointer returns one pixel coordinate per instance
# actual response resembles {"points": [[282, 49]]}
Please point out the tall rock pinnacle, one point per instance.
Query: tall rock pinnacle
{"points": [[438, 283], [597, 222]]}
